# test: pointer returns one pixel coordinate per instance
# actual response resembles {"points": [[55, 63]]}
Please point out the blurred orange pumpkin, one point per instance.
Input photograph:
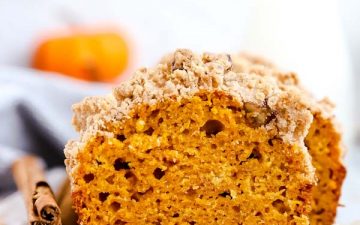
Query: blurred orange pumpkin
{"points": [[93, 57]]}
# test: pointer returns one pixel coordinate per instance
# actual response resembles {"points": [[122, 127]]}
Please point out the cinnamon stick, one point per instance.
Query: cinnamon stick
{"points": [[39, 198], [63, 198]]}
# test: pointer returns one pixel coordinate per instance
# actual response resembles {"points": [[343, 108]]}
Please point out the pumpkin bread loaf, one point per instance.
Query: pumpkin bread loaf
{"points": [[323, 140], [191, 141]]}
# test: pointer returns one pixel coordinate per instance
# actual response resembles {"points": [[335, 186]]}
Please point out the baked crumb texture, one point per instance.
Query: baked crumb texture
{"points": [[323, 140], [192, 141]]}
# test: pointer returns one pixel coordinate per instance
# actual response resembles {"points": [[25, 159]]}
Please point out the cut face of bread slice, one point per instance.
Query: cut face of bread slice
{"points": [[323, 140], [222, 149]]}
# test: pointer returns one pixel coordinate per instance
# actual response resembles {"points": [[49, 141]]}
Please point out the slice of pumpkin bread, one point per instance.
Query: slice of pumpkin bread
{"points": [[192, 142], [323, 140]]}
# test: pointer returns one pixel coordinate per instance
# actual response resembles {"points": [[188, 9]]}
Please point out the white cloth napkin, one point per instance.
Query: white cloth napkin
{"points": [[35, 115]]}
